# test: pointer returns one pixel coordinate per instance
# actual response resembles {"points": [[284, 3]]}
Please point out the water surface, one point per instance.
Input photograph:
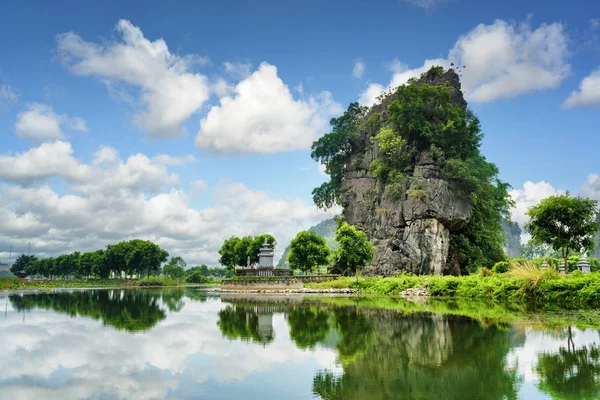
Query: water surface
{"points": [[154, 344]]}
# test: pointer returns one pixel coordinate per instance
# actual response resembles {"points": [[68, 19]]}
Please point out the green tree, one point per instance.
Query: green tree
{"points": [[227, 252], [307, 251], [565, 223], [21, 263], [175, 268], [241, 251], [333, 151], [253, 250], [355, 250]]}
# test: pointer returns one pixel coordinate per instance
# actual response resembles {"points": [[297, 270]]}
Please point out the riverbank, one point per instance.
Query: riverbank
{"points": [[542, 289], [15, 284]]}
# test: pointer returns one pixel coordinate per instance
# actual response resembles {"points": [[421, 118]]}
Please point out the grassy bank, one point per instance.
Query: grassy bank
{"points": [[9, 283], [532, 287]]}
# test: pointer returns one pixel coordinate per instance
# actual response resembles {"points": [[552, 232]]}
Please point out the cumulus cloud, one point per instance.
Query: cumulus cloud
{"points": [[591, 188], [40, 123], [8, 97], [501, 60], [588, 93], [531, 194], [359, 68], [169, 91], [261, 116], [111, 199], [595, 24]]}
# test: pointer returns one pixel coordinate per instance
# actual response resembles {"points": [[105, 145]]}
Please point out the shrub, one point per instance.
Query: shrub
{"points": [[197, 277], [501, 267], [158, 281], [483, 271], [531, 275]]}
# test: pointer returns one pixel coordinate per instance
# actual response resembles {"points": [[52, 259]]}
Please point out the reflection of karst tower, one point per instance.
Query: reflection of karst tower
{"points": [[266, 255]]}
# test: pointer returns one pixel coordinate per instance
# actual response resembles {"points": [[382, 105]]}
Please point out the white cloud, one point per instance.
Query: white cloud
{"points": [[531, 194], [169, 91], [112, 199], [238, 70], [8, 97], [591, 188], [263, 117], [588, 93], [199, 186], [359, 68], [44, 161], [40, 123], [595, 23], [167, 159], [501, 60]]}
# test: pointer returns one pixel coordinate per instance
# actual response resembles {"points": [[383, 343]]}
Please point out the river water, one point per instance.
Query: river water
{"points": [[188, 344]]}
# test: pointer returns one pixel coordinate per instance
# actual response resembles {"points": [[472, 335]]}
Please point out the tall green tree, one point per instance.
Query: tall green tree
{"points": [[307, 251], [21, 263], [241, 251], [227, 252], [175, 268], [355, 251], [564, 222]]}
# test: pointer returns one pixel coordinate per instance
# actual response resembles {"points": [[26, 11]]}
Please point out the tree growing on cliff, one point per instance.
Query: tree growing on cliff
{"points": [[564, 222], [355, 251], [307, 251]]}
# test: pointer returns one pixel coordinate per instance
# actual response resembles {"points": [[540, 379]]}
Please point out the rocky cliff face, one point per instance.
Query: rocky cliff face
{"points": [[412, 233]]}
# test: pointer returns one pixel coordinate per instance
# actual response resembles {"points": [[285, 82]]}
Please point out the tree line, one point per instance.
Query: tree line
{"points": [[308, 251], [124, 259]]}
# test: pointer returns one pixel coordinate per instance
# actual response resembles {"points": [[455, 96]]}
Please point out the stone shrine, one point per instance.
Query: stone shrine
{"points": [[265, 257], [584, 264]]}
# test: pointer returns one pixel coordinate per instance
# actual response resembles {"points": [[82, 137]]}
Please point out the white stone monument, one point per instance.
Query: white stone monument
{"points": [[265, 257], [584, 264]]}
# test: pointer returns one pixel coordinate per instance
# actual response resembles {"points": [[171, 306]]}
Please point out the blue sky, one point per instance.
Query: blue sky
{"points": [[187, 122]]}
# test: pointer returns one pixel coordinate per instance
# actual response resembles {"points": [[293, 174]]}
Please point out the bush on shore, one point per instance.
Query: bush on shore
{"points": [[159, 281]]}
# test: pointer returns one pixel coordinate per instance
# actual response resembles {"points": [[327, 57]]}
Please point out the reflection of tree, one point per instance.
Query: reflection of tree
{"points": [[424, 357], [355, 331], [570, 373], [308, 326], [246, 324], [129, 310]]}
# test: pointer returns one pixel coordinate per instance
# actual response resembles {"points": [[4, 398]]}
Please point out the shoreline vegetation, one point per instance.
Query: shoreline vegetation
{"points": [[524, 286]]}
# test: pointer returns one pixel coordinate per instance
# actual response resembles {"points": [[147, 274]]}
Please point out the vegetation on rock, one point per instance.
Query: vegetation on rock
{"points": [[422, 119]]}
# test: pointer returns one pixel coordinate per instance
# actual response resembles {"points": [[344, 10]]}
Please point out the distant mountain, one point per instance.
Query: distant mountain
{"points": [[326, 229], [512, 233]]}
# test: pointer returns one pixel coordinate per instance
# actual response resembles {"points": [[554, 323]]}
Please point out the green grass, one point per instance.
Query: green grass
{"points": [[541, 290], [12, 283]]}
